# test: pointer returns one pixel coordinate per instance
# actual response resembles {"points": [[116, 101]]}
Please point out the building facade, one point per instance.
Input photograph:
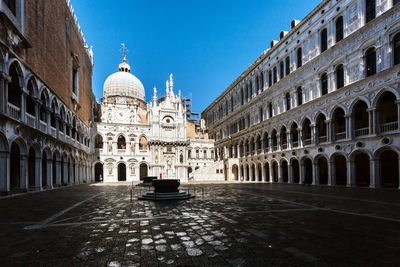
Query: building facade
{"points": [[45, 96], [321, 105], [134, 139]]}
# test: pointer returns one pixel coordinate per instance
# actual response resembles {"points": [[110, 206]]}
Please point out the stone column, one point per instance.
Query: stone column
{"points": [[65, 169], [289, 139], [375, 179], [313, 134], [278, 141], [290, 169], [315, 173], [48, 111], [24, 184], [4, 170], [239, 172], [328, 130], [372, 120], [331, 172], [23, 105], [302, 171], [349, 126], [251, 173], [350, 173], [280, 179], [300, 137], [38, 173], [49, 164], [271, 174], [3, 99]]}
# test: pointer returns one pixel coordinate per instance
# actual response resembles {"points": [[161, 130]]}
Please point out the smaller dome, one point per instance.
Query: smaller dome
{"points": [[124, 67]]}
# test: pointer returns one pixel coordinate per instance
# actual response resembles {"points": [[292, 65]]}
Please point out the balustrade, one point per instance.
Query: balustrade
{"points": [[388, 127], [361, 132], [14, 111], [30, 120]]}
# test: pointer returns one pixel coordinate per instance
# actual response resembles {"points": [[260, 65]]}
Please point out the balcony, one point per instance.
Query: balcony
{"points": [[121, 151], [307, 142], [14, 111], [53, 131], [283, 146], [295, 143], [43, 126], [274, 148], [30, 120], [388, 127], [323, 139], [340, 136], [361, 132], [259, 151]]}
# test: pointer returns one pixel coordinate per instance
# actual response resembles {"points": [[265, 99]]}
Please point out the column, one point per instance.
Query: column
{"points": [[372, 120], [251, 172], [48, 111], [240, 174], [290, 169], [49, 164], [331, 173], [65, 168], [302, 171], [374, 177], [313, 134], [289, 139], [278, 141], [23, 105], [24, 172], [4, 170], [37, 112], [349, 126], [280, 180], [315, 173], [3, 99], [271, 174], [328, 130], [38, 173], [263, 178], [398, 113], [350, 173], [256, 170], [300, 137]]}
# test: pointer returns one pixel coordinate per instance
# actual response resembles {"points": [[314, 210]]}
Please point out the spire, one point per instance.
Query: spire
{"points": [[124, 67], [171, 82], [167, 88]]}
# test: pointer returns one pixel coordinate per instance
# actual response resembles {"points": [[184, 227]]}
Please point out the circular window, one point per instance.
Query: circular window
{"points": [[168, 120]]}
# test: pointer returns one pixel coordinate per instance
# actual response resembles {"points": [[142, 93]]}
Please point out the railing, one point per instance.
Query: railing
{"points": [[120, 151], [284, 146], [388, 127], [340, 136], [30, 120], [307, 142], [247, 153], [53, 131], [295, 143], [266, 149], [43, 126], [61, 135], [361, 132], [323, 139], [259, 151], [14, 111], [274, 148]]}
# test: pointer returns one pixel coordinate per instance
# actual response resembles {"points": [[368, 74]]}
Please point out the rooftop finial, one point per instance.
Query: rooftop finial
{"points": [[124, 51], [171, 82]]}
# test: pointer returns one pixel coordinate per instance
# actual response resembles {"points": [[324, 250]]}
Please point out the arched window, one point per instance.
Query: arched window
{"points": [[361, 125], [294, 134], [299, 93], [321, 128], [270, 78], [370, 61], [282, 70], [299, 57], [30, 105], [262, 81], [388, 115], [287, 65], [53, 115], [370, 10], [324, 84], [283, 137], [62, 120], [339, 76], [274, 140], [189, 153], [121, 142], [260, 114], [287, 99], [339, 124], [98, 141], [241, 96], [197, 154], [324, 40], [275, 75], [306, 129], [14, 88], [43, 116], [270, 109], [205, 153], [396, 49], [143, 143], [339, 29]]}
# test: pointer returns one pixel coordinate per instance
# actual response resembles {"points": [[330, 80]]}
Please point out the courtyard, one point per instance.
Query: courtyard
{"points": [[225, 225]]}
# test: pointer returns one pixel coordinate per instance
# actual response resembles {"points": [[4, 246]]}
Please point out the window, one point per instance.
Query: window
{"points": [[270, 109], [197, 154], [205, 154], [275, 75], [143, 143], [287, 98], [269, 78], [339, 29], [262, 81], [339, 77], [14, 88], [98, 141], [370, 58], [12, 6], [324, 40], [189, 154], [121, 142], [396, 48], [370, 12], [30, 104], [282, 70], [241, 96], [260, 114], [75, 81], [287, 63], [299, 96], [324, 84], [299, 57]]}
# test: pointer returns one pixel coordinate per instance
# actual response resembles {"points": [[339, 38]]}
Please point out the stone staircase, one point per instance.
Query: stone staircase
{"points": [[208, 173]]}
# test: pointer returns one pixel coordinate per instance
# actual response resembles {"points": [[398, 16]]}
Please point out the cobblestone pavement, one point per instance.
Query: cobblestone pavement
{"points": [[225, 225]]}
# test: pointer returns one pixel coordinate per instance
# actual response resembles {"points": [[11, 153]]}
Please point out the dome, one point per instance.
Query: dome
{"points": [[123, 83]]}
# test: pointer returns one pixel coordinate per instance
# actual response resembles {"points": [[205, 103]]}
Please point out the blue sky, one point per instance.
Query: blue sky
{"points": [[206, 44]]}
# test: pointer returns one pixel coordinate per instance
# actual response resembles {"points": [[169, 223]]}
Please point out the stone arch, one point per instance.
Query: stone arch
{"points": [[31, 79], [321, 161], [143, 142], [295, 165], [339, 165], [121, 171], [45, 92], [387, 159], [14, 62], [356, 100], [4, 150], [235, 172], [361, 159], [283, 164], [143, 169], [275, 171], [306, 163]]}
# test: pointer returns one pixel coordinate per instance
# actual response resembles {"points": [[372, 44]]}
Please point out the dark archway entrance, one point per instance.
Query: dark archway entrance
{"points": [[295, 171], [190, 170], [340, 170], [253, 172], [307, 171], [389, 169], [323, 170], [235, 172], [284, 170], [15, 167], [98, 172], [266, 171], [259, 171], [275, 171], [247, 173], [31, 168], [361, 162], [143, 170], [121, 172]]}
